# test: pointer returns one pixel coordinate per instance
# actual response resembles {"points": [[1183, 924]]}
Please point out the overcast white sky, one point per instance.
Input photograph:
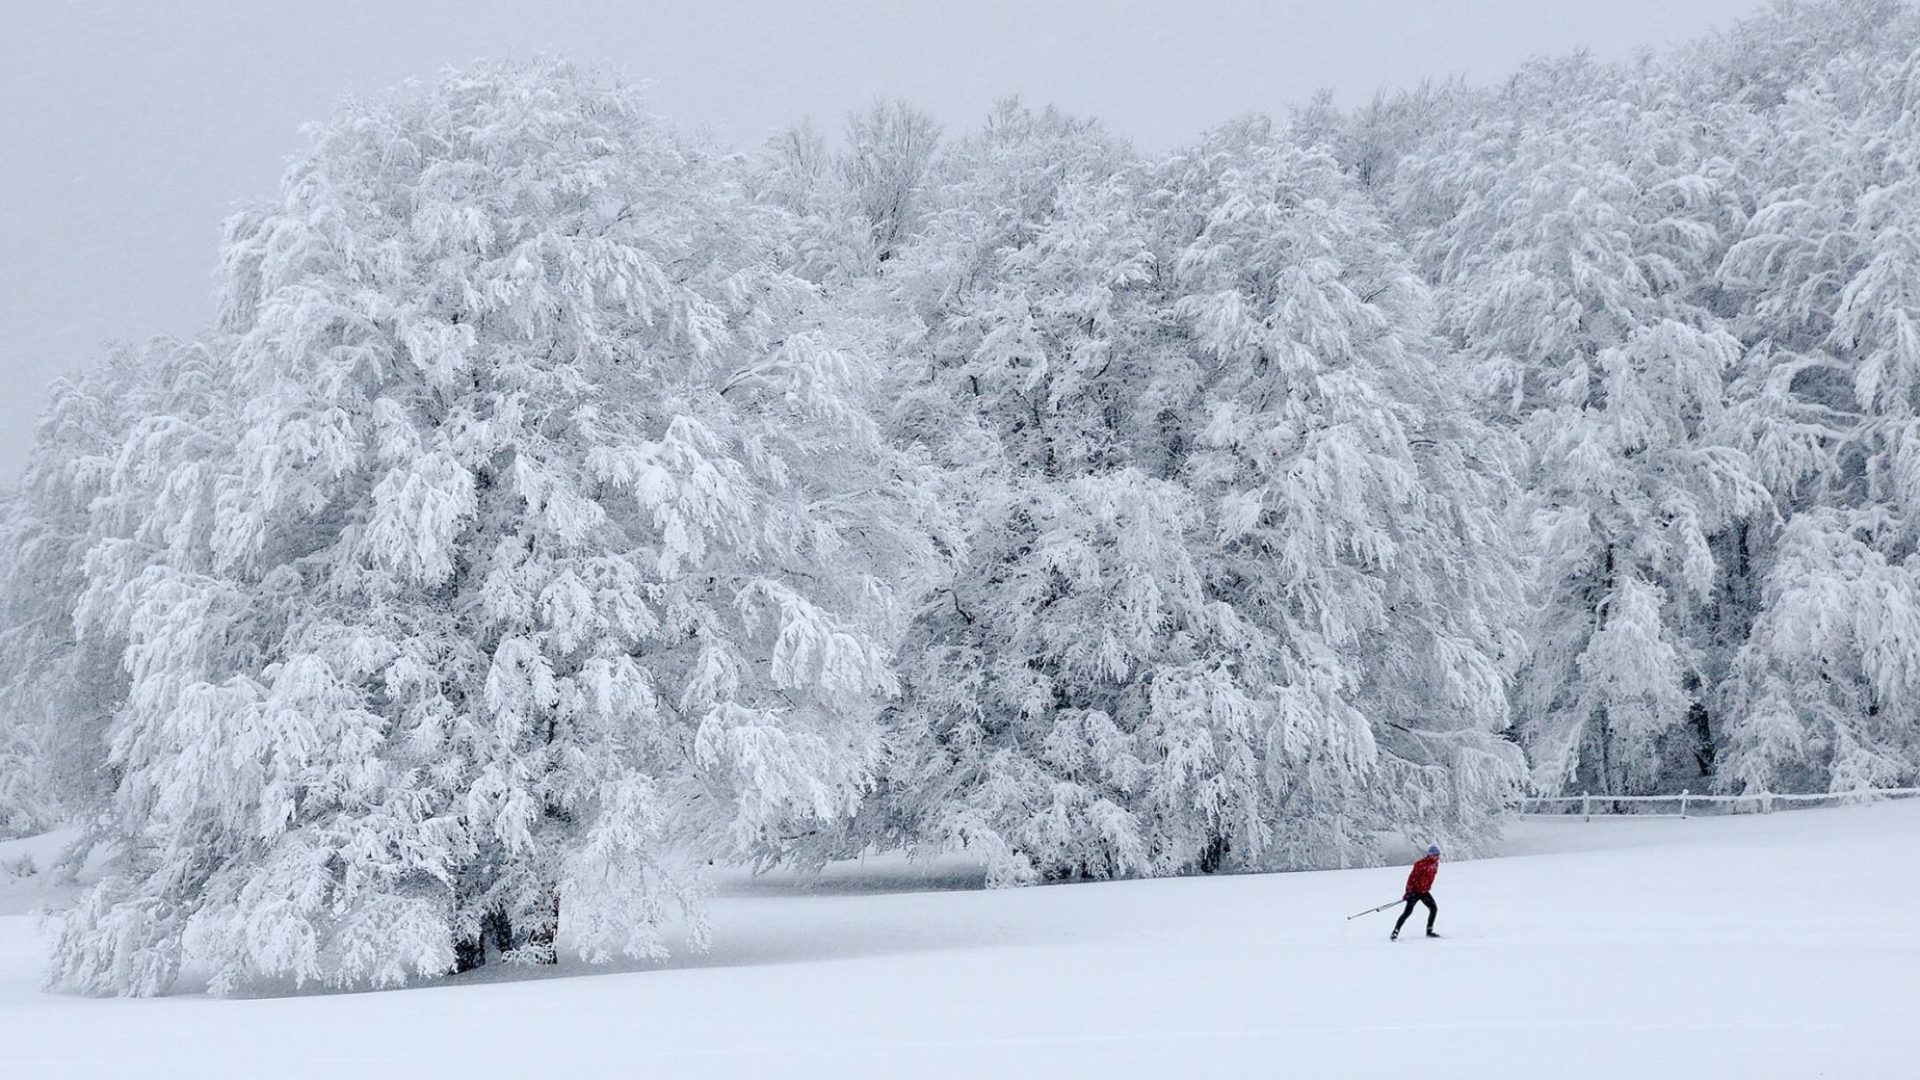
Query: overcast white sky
{"points": [[128, 130]]}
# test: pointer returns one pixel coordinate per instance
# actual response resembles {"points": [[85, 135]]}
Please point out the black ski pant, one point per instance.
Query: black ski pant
{"points": [[1433, 909]]}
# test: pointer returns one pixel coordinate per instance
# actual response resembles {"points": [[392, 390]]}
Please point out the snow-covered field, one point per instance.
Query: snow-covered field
{"points": [[1780, 946]]}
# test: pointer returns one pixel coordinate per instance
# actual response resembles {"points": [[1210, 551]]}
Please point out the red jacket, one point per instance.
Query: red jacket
{"points": [[1421, 879]]}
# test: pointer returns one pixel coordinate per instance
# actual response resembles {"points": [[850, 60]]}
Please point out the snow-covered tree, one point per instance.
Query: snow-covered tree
{"points": [[1230, 603], [103, 461], [1027, 370], [530, 547], [1357, 505], [1574, 224], [1828, 278], [889, 150], [831, 240]]}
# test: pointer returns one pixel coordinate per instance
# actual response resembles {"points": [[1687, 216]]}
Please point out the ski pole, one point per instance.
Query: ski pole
{"points": [[1371, 910]]}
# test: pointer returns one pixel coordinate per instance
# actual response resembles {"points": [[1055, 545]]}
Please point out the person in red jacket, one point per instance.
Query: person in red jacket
{"points": [[1419, 891]]}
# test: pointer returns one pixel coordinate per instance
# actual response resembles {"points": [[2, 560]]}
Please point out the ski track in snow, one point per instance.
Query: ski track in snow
{"points": [[1753, 947]]}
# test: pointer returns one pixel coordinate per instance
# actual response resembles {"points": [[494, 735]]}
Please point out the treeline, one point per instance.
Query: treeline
{"points": [[559, 503]]}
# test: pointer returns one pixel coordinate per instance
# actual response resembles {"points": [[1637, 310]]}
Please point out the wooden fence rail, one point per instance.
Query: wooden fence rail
{"points": [[1685, 800]]}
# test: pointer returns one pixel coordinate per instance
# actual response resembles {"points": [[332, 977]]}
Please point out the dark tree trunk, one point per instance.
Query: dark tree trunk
{"points": [[499, 928], [541, 937], [1215, 854], [469, 953], [495, 929]]}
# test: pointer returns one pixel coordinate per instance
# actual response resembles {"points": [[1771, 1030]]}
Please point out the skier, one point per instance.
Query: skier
{"points": [[1418, 884]]}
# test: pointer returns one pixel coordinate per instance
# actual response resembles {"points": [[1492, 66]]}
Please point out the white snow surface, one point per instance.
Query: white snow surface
{"points": [[1775, 946]]}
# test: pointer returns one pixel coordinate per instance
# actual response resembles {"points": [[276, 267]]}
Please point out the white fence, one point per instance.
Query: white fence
{"points": [[1764, 802]]}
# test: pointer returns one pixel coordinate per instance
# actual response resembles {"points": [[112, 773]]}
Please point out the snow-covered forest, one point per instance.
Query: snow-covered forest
{"points": [[558, 504]]}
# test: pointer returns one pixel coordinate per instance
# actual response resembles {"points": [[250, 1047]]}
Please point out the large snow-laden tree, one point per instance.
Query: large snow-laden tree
{"points": [[537, 547], [1023, 314], [1204, 418], [1357, 507], [103, 464], [1574, 225], [1828, 277]]}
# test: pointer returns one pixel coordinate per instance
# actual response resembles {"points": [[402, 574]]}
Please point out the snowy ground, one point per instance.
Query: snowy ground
{"points": [[1751, 947]]}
